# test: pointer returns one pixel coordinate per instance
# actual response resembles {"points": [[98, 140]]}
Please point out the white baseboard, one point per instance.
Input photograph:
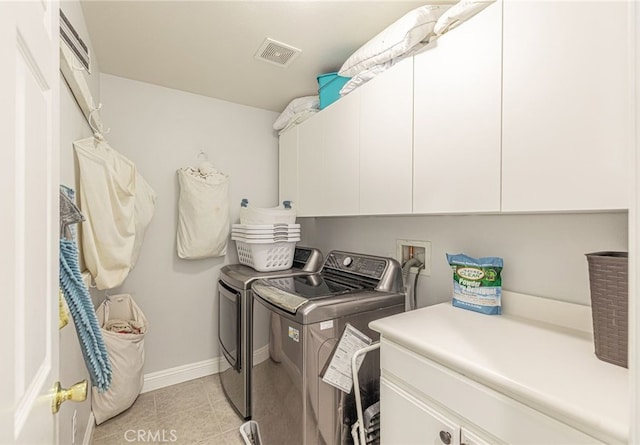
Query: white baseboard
{"points": [[261, 354], [184, 373], [88, 433], [180, 374]]}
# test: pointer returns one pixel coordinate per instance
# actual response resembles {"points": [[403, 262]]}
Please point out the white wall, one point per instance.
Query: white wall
{"points": [[161, 130], [73, 126], [634, 259], [543, 254]]}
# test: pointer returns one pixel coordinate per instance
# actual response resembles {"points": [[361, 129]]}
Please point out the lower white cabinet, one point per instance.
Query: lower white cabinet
{"points": [[423, 402], [421, 424], [469, 438]]}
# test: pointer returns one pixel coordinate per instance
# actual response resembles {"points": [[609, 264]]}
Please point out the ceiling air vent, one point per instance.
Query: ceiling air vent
{"points": [[277, 53], [70, 36]]}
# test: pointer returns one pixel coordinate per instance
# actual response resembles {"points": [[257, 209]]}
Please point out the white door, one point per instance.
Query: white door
{"points": [[29, 165]]}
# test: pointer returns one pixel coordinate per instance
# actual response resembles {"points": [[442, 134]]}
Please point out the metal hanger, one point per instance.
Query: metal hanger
{"points": [[203, 156]]}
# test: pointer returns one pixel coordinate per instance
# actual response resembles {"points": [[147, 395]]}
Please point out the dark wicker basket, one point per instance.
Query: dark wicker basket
{"points": [[608, 280]]}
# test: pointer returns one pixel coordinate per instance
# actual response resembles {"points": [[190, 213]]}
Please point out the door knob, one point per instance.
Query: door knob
{"points": [[445, 437], [77, 393]]}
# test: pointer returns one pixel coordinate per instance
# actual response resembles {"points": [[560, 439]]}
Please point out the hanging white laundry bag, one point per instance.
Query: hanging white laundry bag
{"points": [[145, 204], [123, 326], [118, 205], [203, 212]]}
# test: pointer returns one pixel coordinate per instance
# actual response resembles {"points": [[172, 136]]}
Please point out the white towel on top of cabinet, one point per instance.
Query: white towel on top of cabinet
{"points": [[118, 205], [408, 33], [458, 14], [203, 212]]}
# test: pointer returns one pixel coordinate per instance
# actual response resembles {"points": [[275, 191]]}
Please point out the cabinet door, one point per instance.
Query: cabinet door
{"points": [[328, 160], [288, 166], [386, 141], [340, 155], [469, 438], [406, 420], [457, 118], [565, 106], [310, 171]]}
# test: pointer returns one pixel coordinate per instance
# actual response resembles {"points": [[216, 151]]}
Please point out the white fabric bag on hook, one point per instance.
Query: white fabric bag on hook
{"points": [[118, 204], [144, 207], [203, 212]]}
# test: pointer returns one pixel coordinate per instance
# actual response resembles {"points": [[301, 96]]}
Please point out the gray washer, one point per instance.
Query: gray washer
{"points": [[235, 322], [291, 402]]}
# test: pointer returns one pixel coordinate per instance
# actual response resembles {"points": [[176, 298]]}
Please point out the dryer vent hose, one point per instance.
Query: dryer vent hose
{"points": [[406, 267]]}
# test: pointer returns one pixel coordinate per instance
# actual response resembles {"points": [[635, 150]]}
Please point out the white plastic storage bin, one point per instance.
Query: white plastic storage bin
{"points": [[266, 238], [266, 257], [257, 215], [254, 229]]}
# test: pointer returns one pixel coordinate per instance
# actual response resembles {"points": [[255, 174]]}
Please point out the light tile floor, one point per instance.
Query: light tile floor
{"points": [[191, 413]]}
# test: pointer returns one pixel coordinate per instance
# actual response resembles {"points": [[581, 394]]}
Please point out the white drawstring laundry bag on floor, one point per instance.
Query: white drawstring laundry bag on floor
{"points": [[203, 212], [123, 326]]}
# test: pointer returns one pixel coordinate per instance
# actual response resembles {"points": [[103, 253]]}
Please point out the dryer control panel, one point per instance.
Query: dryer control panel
{"points": [[357, 264]]}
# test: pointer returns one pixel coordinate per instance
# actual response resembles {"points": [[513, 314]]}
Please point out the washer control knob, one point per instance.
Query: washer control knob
{"points": [[347, 261]]}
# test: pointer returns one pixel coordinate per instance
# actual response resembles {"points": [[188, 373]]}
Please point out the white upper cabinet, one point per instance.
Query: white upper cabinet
{"points": [[457, 119], [386, 141], [526, 107], [288, 166], [566, 105], [355, 156], [328, 160], [310, 179]]}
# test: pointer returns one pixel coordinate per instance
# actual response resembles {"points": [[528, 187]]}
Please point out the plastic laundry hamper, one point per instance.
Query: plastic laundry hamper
{"points": [[250, 432], [268, 256], [259, 215], [608, 281]]}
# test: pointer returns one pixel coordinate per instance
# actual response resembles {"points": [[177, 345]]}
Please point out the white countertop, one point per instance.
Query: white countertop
{"points": [[548, 368]]}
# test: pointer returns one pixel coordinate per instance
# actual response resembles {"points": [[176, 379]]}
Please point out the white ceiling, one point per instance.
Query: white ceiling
{"points": [[208, 47]]}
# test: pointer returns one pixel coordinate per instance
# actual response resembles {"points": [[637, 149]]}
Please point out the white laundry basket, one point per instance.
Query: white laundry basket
{"points": [[266, 238], [267, 256], [257, 215], [250, 432]]}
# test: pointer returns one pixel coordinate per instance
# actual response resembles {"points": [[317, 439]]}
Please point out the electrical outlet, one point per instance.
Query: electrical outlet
{"points": [[74, 426], [421, 250]]}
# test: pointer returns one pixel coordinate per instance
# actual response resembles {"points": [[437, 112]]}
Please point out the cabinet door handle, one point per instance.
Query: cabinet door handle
{"points": [[445, 437]]}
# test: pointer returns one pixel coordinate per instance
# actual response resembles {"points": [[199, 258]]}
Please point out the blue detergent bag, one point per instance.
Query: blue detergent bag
{"points": [[477, 284]]}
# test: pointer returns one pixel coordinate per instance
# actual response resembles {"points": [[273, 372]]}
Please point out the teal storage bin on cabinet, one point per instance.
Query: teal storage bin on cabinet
{"points": [[329, 86]]}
